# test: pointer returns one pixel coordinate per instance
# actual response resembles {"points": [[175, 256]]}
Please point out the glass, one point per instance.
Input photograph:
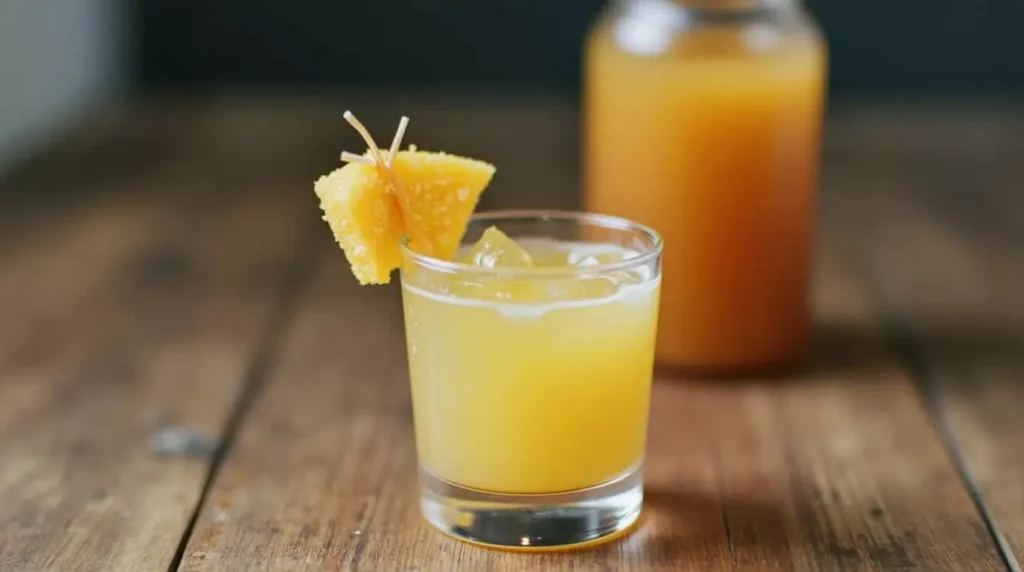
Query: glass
{"points": [[703, 119], [531, 385]]}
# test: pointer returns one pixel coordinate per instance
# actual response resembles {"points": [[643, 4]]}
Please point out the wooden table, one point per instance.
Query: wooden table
{"points": [[191, 379]]}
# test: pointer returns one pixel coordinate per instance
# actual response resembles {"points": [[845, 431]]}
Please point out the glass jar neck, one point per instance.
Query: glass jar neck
{"points": [[722, 7], [668, 14], [731, 5]]}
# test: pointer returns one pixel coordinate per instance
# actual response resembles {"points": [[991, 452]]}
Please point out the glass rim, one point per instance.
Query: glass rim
{"points": [[546, 215]]}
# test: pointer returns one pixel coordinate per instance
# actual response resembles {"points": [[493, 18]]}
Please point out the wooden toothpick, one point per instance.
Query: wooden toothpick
{"points": [[353, 158], [383, 165], [397, 141]]}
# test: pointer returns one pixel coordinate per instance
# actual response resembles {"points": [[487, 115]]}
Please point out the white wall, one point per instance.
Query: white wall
{"points": [[57, 57]]}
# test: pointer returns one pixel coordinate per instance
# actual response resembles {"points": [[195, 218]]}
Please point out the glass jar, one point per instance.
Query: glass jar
{"points": [[703, 119]]}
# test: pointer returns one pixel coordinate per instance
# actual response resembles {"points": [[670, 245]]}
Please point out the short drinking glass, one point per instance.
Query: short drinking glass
{"points": [[531, 384]]}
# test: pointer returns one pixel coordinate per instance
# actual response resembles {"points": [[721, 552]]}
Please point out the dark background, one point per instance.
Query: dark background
{"points": [[877, 46]]}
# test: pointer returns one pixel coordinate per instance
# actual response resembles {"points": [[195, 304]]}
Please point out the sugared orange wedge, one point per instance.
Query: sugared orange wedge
{"points": [[426, 196]]}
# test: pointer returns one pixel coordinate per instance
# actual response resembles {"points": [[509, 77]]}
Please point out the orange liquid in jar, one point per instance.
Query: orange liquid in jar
{"points": [[714, 141]]}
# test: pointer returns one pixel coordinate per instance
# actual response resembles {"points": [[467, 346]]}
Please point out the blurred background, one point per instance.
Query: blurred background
{"points": [[60, 57]]}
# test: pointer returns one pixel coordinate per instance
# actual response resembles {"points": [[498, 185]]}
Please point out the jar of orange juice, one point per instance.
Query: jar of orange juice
{"points": [[703, 119]]}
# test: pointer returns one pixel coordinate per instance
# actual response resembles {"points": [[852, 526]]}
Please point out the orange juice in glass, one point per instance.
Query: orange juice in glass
{"points": [[703, 119], [530, 364]]}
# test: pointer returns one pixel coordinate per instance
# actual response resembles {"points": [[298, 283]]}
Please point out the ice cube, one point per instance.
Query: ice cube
{"points": [[495, 250], [586, 259]]}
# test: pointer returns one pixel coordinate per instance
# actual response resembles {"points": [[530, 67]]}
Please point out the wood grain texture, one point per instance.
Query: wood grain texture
{"points": [[146, 298], [129, 321], [835, 469], [946, 258]]}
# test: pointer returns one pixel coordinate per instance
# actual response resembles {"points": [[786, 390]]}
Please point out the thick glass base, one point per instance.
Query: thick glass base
{"points": [[533, 522]]}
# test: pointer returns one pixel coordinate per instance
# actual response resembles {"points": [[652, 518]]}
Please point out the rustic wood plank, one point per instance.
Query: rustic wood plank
{"points": [[946, 258], [840, 470], [837, 469], [131, 310]]}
